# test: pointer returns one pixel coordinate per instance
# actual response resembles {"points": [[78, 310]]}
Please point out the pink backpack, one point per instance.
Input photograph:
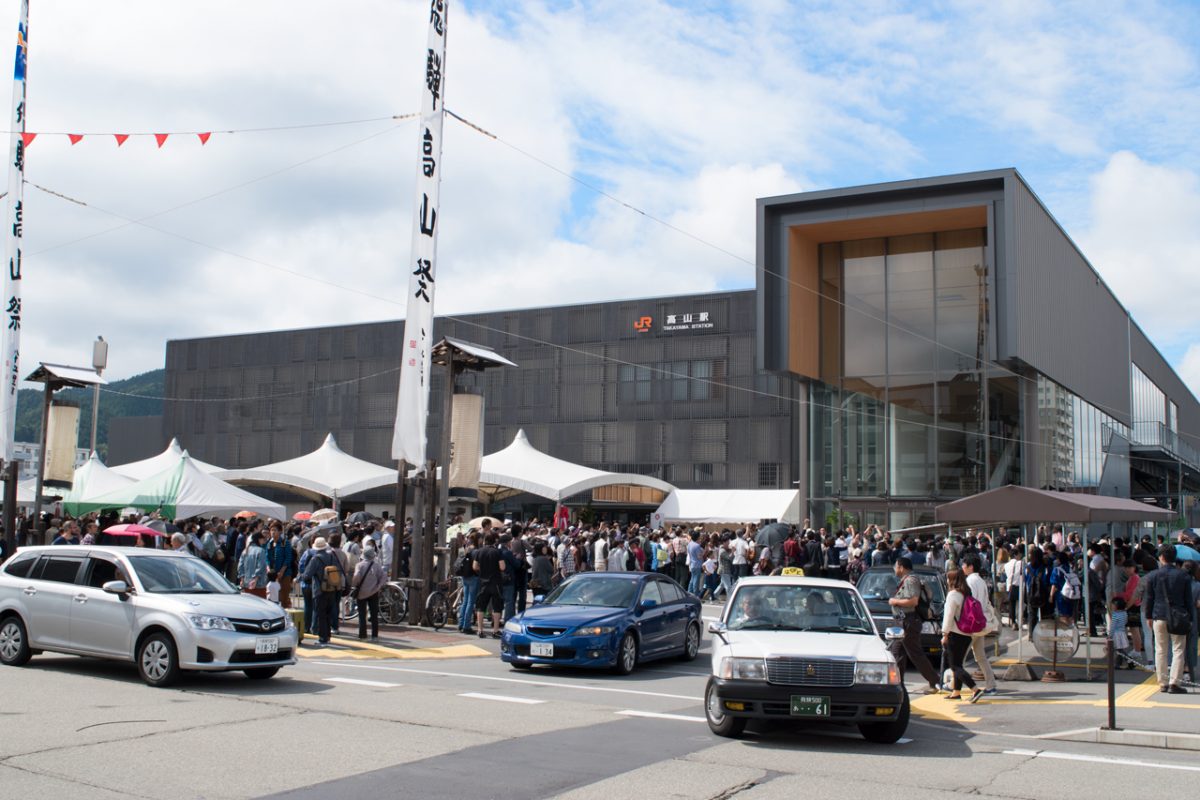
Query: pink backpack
{"points": [[971, 619]]}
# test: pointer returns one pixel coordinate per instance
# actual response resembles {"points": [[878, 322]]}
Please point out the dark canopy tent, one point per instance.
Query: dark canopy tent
{"points": [[1018, 504]]}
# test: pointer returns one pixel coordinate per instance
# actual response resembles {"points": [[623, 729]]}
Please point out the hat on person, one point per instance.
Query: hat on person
{"points": [[319, 543], [369, 553]]}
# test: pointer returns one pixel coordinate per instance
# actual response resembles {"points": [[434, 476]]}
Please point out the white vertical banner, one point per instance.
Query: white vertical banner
{"points": [[10, 342], [412, 406]]}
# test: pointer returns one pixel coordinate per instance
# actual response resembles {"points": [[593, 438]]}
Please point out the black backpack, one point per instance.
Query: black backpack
{"points": [[466, 566]]}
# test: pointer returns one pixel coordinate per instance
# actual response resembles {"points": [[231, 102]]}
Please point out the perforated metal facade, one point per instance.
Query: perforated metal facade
{"points": [[665, 387]]}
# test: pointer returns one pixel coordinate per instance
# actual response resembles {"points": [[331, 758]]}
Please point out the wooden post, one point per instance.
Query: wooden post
{"points": [[41, 473], [417, 575], [12, 472], [401, 511]]}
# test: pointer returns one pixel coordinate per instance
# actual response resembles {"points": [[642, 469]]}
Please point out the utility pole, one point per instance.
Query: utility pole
{"points": [[99, 362]]}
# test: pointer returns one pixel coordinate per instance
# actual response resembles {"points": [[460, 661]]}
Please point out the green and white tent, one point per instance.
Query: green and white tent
{"points": [[92, 478], [180, 491]]}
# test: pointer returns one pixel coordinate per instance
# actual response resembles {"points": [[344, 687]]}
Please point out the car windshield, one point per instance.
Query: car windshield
{"points": [[797, 608], [882, 584], [608, 592], [169, 575]]}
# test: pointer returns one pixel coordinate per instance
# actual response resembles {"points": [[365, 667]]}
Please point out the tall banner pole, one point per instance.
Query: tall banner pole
{"points": [[412, 407], [10, 342]]}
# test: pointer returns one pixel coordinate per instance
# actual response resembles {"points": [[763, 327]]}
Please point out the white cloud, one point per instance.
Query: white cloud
{"points": [[1144, 241], [688, 112]]}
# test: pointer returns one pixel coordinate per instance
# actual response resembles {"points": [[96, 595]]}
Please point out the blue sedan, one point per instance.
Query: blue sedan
{"points": [[605, 619]]}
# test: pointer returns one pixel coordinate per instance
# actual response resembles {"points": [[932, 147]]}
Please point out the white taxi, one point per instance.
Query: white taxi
{"points": [[804, 649]]}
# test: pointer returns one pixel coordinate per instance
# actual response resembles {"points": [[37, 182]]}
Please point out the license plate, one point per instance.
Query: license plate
{"points": [[266, 646], [805, 705], [541, 650]]}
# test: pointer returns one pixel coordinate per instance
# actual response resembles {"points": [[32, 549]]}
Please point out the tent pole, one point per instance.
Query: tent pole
{"points": [[1087, 606]]}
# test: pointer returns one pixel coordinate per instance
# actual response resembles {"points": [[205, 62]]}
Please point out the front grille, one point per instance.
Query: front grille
{"points": [[256, 625], [545, 633], [810, 672], [251, 657], [560, 653]]}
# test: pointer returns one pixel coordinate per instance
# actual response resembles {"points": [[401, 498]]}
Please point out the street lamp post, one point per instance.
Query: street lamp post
{"points": [[99, 362]]}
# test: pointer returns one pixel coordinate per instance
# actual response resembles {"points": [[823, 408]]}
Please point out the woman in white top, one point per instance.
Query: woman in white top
{"points": [[954, 640], [1014, 574]]}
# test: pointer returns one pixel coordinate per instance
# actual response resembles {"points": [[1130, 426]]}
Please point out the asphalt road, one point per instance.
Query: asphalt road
{"points": [[389, 722]]}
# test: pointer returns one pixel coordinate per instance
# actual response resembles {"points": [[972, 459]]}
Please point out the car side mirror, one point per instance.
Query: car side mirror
{"points": [[893, 634], [645, 605], [717, 628], [120, 588], [538, 598]]}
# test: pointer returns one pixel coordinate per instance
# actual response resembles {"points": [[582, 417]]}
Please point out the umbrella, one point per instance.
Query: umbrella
{"points": [[162, 526], [245, 515], [301, 516], [461, 527], [131, 529], [478, 522], [323, 515], [772, 536], [360, 516], [1186, 553]]}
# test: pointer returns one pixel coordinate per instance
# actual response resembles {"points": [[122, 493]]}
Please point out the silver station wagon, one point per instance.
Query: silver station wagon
{"points": [[166, 612]]}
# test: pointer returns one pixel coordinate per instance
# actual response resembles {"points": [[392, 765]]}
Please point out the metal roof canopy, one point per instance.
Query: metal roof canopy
{"points": [[60, 376], [1020, 504], [467, 355]]}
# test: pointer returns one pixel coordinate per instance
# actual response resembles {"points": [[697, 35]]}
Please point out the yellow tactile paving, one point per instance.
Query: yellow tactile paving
{"points": [[367, 650]]}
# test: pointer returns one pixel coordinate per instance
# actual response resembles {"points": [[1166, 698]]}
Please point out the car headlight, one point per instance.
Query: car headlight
{"points": [[930, 627], [288, 623], [206, 623], [512, 626], [595, 630], [880, 673], [744, 669]]}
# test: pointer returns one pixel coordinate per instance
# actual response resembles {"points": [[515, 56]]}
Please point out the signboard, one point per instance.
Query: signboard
{"points": [[412, 409], [466, 445], [676, 322], [1045, 639]]}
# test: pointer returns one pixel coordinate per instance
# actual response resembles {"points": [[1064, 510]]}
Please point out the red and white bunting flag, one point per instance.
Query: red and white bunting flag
{"points": [[121, 137], [161, 138], [75, 137], [204, 137], [27, 139]]}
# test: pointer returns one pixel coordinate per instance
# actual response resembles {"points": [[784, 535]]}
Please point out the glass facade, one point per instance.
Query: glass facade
{"points": [[1073, 438], [901, 410], [1149, 406]]}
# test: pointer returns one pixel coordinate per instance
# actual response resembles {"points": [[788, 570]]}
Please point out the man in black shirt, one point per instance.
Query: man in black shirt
{"points": [[489, 566]]}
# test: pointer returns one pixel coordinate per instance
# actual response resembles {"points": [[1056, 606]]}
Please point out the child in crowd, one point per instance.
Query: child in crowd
{"points": [[1120, 637], [272, 586]]}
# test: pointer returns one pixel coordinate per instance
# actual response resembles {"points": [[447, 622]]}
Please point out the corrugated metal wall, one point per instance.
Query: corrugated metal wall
{"points": [[1068, 324]]}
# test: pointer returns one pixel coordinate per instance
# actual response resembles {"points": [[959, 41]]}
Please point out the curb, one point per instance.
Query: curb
{"points": [[1162, 740]]}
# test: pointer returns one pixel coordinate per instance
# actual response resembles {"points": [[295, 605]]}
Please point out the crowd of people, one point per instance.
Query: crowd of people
{"points": [[1135, 590]]}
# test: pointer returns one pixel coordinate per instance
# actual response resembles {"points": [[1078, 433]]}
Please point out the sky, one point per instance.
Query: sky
{"points": [[688, 111]]}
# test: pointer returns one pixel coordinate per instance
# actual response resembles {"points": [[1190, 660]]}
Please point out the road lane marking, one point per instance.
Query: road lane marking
{"points": [[361, 682], [524, 681], [502, 698], [1122, 762], [654, 715]]}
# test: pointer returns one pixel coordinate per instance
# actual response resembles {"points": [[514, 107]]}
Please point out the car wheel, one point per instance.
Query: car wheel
{"points": [[261, 673], [719, 722], [14, 642], [887, 732], [627, 654], [691, 643], [157, 661]]}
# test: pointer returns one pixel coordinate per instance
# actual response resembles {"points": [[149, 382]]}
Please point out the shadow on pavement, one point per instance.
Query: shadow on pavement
{"points": [[233, 683]]}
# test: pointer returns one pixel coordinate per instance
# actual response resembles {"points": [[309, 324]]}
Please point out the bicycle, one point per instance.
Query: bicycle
{"points": [[393, 605]]}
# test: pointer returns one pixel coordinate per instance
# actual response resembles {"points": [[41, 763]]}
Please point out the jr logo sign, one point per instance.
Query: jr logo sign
{"points": [[643, 324]]}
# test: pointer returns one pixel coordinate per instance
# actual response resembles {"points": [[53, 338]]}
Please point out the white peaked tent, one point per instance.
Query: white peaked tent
{"points": [[140, 470], [183, 490], [327, 471], [729, 505], [92, 478], [521, 467]]}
